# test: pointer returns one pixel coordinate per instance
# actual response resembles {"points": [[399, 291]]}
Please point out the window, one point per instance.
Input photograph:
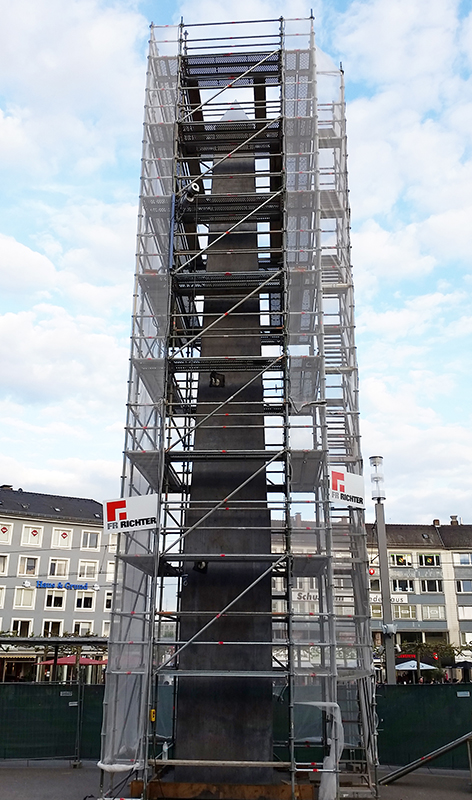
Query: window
{"points": [[28, 565], [88, 569], [112, 542], [466, 638], [22, 627], [59, 567], [464, 612], [375, 584], [62, 538], [3, 565], [400, 559], [55, 598], [403, 611], [429, 560], [52, 627], [431, 586], [108, 601], [83, 628], [376, 611], [2, 597], [6, 529], [403, 585], [106, 628], [110, 575], [463, 559], [31, 536], [90, 540], [464, 586], [85, 601], [24, 597], [433, 612]]}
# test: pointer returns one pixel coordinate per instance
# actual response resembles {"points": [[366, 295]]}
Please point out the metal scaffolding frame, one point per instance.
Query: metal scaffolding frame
{"points": [[288, 122]]}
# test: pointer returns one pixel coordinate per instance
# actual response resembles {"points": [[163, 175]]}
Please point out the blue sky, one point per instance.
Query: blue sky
{"points": [[71, 96]]}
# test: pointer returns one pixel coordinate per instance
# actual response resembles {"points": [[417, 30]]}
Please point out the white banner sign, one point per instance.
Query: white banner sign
{"points": [[345, 488], [131, 513]]}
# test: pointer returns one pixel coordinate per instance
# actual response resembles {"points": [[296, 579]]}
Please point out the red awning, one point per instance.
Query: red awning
{"points": [[72, 660]]}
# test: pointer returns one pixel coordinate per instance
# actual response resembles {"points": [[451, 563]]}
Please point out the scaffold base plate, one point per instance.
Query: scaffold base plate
{"points": [[157, 790]]}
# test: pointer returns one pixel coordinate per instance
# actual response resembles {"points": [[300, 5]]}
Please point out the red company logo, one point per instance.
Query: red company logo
{"points": [[113, 507], [336, 478]]}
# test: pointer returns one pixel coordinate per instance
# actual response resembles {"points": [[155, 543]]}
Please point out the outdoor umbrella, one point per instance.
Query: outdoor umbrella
{"points": [[71, 661], [412, 665]]}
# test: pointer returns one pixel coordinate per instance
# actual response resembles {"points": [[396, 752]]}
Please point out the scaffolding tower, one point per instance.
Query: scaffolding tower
{"points": [[245, 614]]}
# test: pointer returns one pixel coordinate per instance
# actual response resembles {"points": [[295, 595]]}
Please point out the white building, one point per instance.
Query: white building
{"points": [[56, 568], [430, 575]]}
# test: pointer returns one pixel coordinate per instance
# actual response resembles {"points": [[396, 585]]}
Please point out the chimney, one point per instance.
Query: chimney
{"points": [[298, 520], [436, 523], [454, 519]]}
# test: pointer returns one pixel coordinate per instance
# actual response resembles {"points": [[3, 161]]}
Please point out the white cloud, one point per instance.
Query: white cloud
{"points": [[23, 270], [48, 354], [94, 478], [385, 257]]}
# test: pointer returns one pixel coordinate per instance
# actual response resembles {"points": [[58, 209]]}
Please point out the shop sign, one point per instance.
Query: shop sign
{"points": [[136, 513], [345, 488]]}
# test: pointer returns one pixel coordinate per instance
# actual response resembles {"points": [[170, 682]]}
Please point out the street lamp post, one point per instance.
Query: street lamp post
{"points": [[388, 627]]}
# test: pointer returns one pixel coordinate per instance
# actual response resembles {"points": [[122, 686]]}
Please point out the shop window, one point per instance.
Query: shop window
{"points": [[59, 567], [88, 570], [22, 627], [108, 601], [433, 612], [401, 559], [463, 559], [401, 585], [83, 628], [62, 538], [429, 560], [464, 586], [24, 597], [403, 611], [85, 601], [52, 627], [55, 598], [90, 540], [28, 565], [431, 586], [31, 536], [6, 529]]}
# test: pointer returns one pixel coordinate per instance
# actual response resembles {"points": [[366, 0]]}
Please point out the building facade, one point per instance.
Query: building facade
{"points": [[430, 575], [56, 567]]}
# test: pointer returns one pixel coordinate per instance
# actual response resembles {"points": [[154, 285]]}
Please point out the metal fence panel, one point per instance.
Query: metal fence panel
{"points": [[41, 720], [415, 720]]}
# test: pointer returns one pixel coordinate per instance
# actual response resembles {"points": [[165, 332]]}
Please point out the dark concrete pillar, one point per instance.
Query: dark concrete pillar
{"points": [[228, 718]]}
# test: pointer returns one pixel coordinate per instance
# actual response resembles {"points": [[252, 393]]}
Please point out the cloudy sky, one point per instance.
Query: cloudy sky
{"points": [[71, 96]]}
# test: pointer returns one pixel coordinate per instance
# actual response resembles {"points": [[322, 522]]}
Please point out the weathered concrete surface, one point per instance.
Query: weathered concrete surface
{"points": [[57, 781], [428, 785], [228, 718], [48, 780]]}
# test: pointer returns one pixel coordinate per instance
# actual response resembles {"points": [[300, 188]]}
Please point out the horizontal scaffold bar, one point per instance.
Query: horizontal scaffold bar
{"points": [[229, 363]]}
